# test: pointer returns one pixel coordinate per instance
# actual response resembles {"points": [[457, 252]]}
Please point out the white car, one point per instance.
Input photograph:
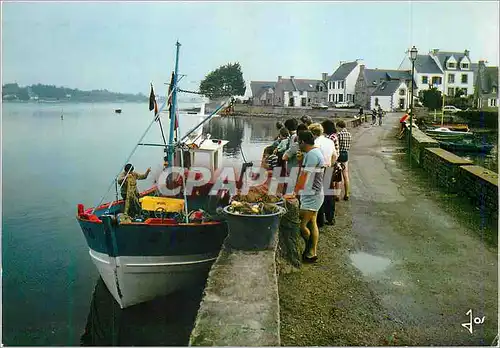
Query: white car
{"points": [[344, 105], [451, 109]]}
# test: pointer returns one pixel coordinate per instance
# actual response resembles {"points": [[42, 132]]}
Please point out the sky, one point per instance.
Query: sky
{"points": [[123, 46]]}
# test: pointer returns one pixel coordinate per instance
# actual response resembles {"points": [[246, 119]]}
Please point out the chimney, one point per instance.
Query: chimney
{"points": [[292, 77], [435, 51], [279, 78], [466, 53], [324, 76]]}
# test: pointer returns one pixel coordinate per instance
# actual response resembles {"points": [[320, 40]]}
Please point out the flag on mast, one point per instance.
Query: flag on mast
{"points": [[152, 101]]}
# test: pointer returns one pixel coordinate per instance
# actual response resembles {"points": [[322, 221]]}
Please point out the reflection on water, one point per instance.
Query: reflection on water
{"points": [[165, 321], [247, 134]]}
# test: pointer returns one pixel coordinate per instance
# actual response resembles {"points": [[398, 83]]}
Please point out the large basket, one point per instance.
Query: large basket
{"points": [[252, 232]]}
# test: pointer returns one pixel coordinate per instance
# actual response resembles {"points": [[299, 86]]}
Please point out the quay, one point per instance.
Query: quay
{"points": [[412, 251]]}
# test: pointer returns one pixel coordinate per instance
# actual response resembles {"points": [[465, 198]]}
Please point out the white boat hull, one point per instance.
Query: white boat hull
{"points": [[136, 279]]}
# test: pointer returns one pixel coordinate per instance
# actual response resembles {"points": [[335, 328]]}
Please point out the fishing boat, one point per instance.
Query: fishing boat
{"points": [[177, 237], [466, 145]]}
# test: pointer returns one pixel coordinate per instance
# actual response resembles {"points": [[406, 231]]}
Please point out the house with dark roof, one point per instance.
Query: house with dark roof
{"points": [[369, 79], [457, 69], [447, 71], [263, 92], [486, 89], [390, 95], [294, 92], [341, 84]]}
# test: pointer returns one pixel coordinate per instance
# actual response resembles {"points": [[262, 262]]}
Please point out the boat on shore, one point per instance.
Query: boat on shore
{"points": [[118, 111], [176, 237]]}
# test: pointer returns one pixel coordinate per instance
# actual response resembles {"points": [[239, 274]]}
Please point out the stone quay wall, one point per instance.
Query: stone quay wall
{"points": [[457, 175]]}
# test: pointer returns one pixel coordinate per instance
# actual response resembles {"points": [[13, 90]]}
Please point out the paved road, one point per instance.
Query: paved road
{"points": [[401, 267], [425, 265]]}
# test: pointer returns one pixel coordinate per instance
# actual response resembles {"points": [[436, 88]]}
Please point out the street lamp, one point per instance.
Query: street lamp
{"points": [[413, 57]]}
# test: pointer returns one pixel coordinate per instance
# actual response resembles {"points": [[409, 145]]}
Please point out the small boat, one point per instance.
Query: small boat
{"points": [[466, 145], [118, 111], [453, 127], [173, 242], [443, 133]]}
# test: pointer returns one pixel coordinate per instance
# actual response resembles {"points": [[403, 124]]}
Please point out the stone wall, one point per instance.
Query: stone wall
{"points": [[419, 143], [244, 109], [443, 167], [480, 185], [240, 306], [457, 175]]}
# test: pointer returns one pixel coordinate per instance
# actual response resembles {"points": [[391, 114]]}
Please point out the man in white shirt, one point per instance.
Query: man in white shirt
{"points": [[330, 154]]}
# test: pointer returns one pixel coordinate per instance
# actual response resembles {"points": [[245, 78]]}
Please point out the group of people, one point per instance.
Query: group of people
{"points": [[377, 112], [315, 149]]}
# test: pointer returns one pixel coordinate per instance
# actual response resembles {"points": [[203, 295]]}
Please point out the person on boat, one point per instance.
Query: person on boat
{"points": [[310, 202], [327, 147], [128, 181]]}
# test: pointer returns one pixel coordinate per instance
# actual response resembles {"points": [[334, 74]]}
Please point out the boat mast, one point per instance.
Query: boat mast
{"points": [[173, 109]]}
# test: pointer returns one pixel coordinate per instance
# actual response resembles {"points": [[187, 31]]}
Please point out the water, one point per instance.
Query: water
{"points": [[369, 264], [486, 160], [49, 166]]}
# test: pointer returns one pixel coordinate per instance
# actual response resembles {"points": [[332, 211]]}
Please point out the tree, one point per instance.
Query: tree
{"points": [[225, 81], [432, 99]]}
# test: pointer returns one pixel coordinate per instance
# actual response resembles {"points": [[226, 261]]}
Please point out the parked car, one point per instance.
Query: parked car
{"points": [[451, 109], [344, 105], [319, 106]]}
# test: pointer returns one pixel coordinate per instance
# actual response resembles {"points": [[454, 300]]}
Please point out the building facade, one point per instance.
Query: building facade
{"points": [[486, 89], [342, 83]]}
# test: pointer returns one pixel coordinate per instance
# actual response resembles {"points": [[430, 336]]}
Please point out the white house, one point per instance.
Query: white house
{"points": [[390, 95], [447, 71], [342, 83]]}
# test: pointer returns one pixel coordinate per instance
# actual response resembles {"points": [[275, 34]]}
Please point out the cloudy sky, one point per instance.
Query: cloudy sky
{"points": [[122, 46]]}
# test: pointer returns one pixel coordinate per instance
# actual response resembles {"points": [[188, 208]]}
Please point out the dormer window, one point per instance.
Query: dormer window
{"points": [[465, 65], [451, 65]]}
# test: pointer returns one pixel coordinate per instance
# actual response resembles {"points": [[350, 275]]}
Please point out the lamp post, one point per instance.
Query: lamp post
{"points": [[413, 57]]}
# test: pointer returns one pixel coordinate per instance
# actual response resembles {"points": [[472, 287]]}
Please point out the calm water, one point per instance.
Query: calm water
{"points": [[51, 289]]}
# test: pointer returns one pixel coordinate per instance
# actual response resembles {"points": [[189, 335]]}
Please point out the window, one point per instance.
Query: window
{"points": [[436, 80], [343, 84], [451, 78], [451, 91], [309, 100], [425, 80], [303, 102], [452, 65], [465, 78], [301, 93], [493, 89], [340, 98], [493, 102], [402, 91], [330, 85], [465, 65]]}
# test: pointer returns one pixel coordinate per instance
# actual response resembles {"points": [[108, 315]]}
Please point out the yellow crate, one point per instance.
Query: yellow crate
{"points": [[171, 205]]}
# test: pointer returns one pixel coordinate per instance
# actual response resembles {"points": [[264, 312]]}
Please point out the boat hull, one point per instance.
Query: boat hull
{"points": [[457, 147], [136, 279], [139, 262]]}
